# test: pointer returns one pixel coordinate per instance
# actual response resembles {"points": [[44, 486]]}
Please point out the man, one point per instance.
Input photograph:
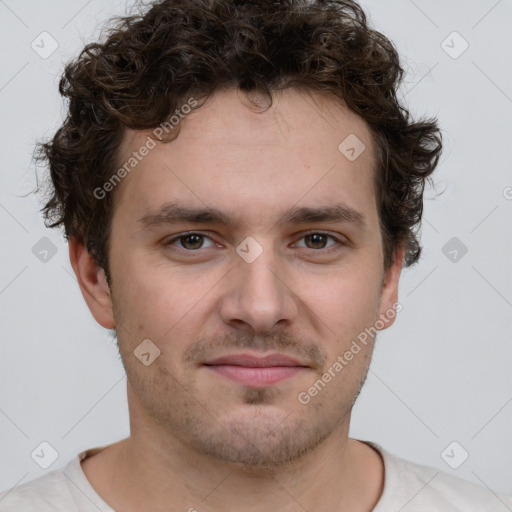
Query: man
{"points": [[240, 189]]}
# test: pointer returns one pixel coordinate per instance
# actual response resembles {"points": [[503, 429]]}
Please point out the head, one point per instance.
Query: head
{"points": [[271, 133]]}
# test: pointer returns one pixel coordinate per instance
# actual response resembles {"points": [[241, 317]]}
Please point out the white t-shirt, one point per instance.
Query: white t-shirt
{"points": [[408, 487]]}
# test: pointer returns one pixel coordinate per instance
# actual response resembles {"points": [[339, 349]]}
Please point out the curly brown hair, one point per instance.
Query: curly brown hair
{"points": [[150, 62]]}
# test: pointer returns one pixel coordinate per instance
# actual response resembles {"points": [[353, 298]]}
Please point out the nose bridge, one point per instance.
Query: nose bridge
{"points": [[258, 295]]}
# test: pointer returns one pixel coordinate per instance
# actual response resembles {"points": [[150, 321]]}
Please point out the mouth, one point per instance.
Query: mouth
{"points": [[254, 371]]}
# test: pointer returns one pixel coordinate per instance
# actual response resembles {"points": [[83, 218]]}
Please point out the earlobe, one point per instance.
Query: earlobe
{"points": [[389, 305], [93, 283]]}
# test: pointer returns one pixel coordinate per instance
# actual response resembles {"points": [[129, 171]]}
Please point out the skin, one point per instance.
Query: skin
{"points": [[200, 440]]}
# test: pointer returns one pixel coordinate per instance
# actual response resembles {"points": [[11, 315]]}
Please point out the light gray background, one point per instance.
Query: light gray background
{"points": [[440, 374]]}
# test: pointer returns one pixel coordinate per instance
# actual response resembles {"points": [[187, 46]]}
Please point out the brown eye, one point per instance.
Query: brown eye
{"points": [[318, 241], [189, 241], [192, 242]]}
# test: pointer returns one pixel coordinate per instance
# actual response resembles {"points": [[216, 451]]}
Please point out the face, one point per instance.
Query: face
{"points": [[286, 258]]}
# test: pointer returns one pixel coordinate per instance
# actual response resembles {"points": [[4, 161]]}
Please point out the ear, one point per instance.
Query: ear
{"points": [[389, 305], [93, 283]]}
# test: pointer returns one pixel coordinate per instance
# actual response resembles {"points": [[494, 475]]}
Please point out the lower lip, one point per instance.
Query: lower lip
{"points": [[256, 376]]}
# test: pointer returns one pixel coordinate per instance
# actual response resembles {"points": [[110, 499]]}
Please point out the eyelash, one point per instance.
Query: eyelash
{"points": [[328, 250]]}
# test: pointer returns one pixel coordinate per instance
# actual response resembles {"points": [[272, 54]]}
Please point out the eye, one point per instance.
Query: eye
{"points": [[190, 241], [317, 240], [193, 241]]}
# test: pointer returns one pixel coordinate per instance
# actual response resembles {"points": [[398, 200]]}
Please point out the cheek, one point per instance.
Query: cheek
{"points": [[343, 306], [159, 300], [344, 294]]}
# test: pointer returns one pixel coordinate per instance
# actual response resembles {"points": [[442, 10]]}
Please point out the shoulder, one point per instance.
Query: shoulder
{"points": [[40, 495], [62, 490], [414, 487]]}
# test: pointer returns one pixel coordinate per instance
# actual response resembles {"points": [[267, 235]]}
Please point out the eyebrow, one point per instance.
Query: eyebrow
{"points": [[173, 213]]}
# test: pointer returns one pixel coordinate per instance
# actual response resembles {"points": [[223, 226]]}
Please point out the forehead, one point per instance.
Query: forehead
{"points": [[295, 116], [300, 150]]}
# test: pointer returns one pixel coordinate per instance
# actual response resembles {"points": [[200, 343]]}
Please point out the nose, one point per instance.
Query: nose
{"points": [[260, 295]]}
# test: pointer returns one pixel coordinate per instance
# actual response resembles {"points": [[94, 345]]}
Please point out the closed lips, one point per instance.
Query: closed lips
{"points": [[255, 362]]}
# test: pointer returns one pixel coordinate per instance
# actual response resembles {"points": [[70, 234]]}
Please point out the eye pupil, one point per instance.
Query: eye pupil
{"points": [[317, 238]]}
